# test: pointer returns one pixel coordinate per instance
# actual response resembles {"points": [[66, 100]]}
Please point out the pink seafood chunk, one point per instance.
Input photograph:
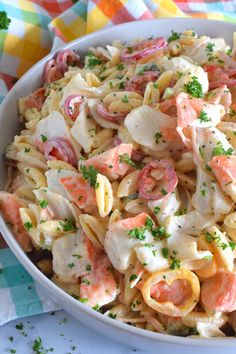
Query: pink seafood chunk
{"points": [[35, 99], [177, 293], [99, 287], [80, 190], [219, 293], [109, 162], [10, 205]]}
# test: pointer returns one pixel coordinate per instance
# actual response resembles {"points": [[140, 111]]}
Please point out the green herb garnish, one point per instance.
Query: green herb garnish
{"points": [[125, 99], [165, 252], [28, 225], [43, 138], [120, 67], [67, 225], [133, 277], [126, 159], [194, 88], [220, 150], [4, 20], [204, 117], [89, 173], [43, 204], [174, 36]]}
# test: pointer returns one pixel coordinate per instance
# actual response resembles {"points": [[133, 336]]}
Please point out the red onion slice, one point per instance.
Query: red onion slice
{"points": [[51, 72], [60, 149], [71, 106], [167, 183], [55, 68], [117, 140], [65, 58], [110, 116], [143, 49]]}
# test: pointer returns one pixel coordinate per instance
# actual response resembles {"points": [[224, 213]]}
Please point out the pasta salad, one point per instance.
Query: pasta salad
{"points": [[122, 183]]}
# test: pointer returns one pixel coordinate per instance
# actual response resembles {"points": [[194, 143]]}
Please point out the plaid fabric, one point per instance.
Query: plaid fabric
{"points": [[36, 27]]}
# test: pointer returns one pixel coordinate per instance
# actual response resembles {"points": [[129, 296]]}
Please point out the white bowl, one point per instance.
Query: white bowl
{"points": [[9, 126]]}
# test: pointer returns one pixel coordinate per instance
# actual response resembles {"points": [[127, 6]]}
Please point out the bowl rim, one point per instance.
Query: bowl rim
{"points": [[46, 283]]}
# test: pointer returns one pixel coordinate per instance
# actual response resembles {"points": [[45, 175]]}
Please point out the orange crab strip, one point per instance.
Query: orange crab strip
{"points": [[10, 208]]}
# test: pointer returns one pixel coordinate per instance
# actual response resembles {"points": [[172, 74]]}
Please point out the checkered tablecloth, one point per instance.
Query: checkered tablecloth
{"points": [[38, 26]]}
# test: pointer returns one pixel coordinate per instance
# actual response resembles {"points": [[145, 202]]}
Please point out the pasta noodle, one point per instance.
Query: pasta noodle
{"points": [[123, 179]]}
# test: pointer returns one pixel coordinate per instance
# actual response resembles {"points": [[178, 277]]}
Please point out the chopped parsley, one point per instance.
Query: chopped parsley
{"points": [[28, 225], [19, 326], [92, 60], [120, 67], [83, 299], [71, 265], [232, 245], [201, 151], [4, 20], [160, 233], [137, 233], [96, 307], [43, 138], [78, 256], [133, 277], [163, 191], [157, 232], [89, 173], [182, 211], [112, 315], [125, 99], [194, 88], [165, 252], [88, 267], [156, 209], [43, 204], [210, 238], [27, 150], [204, 117], [175, 263], [219, 150], [67, 225], [86, 281], [38, 347], [209, 47], [126, 159], [158, 136], [121, 85], [174, 36]]}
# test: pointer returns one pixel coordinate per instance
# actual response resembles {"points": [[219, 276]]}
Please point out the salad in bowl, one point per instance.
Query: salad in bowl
{"points": [[122, 183]]}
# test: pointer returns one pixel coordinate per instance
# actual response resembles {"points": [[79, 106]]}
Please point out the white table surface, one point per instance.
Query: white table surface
{"points": [[61, 332], [67, 336]]}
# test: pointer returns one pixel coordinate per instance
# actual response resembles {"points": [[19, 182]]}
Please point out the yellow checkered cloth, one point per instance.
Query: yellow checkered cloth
{"points": [[36, 25]]}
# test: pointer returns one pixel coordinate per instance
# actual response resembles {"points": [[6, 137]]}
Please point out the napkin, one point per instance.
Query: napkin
{"points": [[37, 27]]}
